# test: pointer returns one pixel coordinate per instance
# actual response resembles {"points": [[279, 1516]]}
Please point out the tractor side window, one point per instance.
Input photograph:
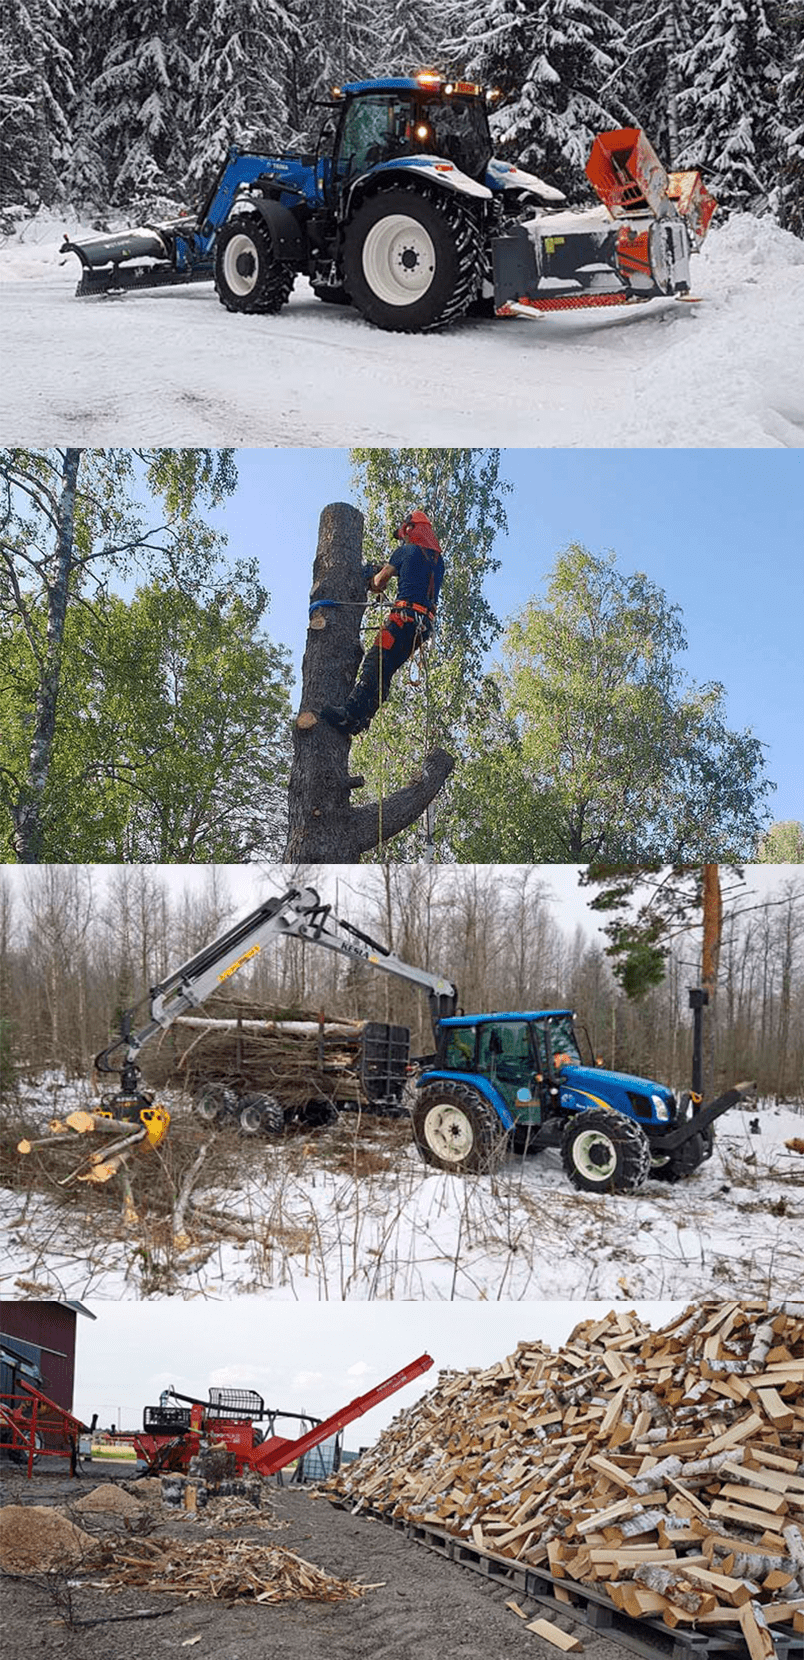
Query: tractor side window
{"points": [[459, 1052], [460, 132], [374, 130]]}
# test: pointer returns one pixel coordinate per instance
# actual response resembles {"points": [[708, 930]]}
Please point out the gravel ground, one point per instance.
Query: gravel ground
{"points": [[425, 1606]]}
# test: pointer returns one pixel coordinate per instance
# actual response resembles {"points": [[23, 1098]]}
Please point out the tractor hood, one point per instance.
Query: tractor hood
{"points": [[598, 1080]]}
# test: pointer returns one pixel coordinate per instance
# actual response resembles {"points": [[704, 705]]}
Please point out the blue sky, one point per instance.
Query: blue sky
{"points": [[722, 531]]}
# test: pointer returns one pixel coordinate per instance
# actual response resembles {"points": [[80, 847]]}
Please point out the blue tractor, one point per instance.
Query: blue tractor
{"points": [[523, 1080], [403, 211]]}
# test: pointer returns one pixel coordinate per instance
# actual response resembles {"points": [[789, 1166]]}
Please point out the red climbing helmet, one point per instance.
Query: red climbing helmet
{"points": [[418, 529]]}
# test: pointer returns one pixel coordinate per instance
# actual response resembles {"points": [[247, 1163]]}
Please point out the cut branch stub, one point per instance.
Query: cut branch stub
{"points": [[322, 825]]}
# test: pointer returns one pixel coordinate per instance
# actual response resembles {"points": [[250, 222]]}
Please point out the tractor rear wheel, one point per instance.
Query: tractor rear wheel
{"points": [[455, 1129], [604, 1152], [248, 276], [260, 1115], [413, 262]]}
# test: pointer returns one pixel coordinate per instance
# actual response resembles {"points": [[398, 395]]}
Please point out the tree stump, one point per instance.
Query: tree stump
{"points": [[323, 826]]}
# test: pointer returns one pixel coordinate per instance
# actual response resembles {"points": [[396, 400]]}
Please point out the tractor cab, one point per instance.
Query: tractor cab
{"points": [[403, 118]]}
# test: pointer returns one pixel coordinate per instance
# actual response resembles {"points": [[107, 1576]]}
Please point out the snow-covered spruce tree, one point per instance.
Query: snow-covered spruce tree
{"points": [[241, 55], [341, 42], [136, 94], [412, 35], [556, 63], [726, 106], [36, 92], [789, 195]]}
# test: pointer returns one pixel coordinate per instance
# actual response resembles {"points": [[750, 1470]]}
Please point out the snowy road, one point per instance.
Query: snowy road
{"points": [[173, 367]]}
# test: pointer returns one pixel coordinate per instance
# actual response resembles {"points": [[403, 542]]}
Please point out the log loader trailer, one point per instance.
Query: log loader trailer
{"points": [[495, 1081], [404, 211]]}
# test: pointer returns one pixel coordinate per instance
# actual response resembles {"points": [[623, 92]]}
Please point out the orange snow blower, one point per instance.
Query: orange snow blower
{"points": [[636, 246]]}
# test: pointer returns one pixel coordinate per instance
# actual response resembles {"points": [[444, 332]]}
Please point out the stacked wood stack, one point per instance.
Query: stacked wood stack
{"points": [[295, 1055], [666, 1469]]}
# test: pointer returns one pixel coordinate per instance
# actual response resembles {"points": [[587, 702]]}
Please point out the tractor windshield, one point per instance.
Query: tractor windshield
{"points": [[562, 1042], [458, 129]]}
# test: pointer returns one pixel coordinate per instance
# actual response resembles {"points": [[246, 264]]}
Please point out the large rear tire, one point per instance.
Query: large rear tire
{"points": [[604, 1152], [413, 262], [455, 1129], [248, 276]]}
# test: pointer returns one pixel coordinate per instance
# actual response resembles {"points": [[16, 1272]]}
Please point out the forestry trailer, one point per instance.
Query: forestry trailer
{"points": [[404, 211], [495, 1081]]}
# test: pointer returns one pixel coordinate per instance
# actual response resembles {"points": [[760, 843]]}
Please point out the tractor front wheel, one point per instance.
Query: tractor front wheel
{"points": [[412, 262], [604, 1152], [455, 1129], [248, 276]]}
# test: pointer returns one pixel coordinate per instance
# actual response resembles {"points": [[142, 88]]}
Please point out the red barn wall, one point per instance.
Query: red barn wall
{"points": [[51, 1327]]}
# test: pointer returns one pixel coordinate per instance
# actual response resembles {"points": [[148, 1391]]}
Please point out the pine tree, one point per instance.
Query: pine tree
{"points": [[240, 78], [789, 198], [136, 99], [36, 92]]}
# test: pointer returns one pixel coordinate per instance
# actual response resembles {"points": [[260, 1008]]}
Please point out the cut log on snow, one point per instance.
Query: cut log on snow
{"points": [[323, 826]]}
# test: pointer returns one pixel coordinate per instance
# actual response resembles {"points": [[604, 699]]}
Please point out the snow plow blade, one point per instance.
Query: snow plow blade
{"points": [[110, 263], [636, 246]]}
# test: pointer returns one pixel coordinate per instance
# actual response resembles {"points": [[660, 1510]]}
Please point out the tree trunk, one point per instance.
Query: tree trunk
{"points": [[323, 826], [27, 814], [710, 961]]}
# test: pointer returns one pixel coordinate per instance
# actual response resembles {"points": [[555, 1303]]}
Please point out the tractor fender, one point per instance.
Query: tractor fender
{"points": [[482, 1086], [431, 169], [503, 175], [287, 236]]}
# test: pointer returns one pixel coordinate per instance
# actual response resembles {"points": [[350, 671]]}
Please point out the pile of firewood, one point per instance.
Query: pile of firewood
{"points": [[294, 1055], [664, 1468], [230, 1570]]}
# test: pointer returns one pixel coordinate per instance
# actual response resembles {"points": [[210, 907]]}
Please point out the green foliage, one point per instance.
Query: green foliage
{"points": [[172, 739], [646, 907], [782, 844], [463, 494], [608, 753]]}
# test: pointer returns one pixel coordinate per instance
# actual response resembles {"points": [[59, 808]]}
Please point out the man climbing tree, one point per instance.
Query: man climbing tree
{"points": [[418, 566]]}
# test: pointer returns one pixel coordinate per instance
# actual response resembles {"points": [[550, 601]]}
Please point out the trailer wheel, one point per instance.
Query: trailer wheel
{"points": [[455, 1129], [676, 1166], [604, 1152], [248, 276], [260, 1115], [214, 1103], [412, 262]]}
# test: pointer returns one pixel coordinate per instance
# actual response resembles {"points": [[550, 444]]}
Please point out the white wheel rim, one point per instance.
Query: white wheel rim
{"points": [[236, 281], [448, 1133], [251, 1120], [593, 1169], [399, 260]]}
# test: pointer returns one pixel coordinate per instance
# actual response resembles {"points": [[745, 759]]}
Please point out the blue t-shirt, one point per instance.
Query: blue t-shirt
{"points": [[414, 567]]}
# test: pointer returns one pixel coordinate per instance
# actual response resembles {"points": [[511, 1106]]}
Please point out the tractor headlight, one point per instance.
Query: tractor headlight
{"points": [[662, 1109]]}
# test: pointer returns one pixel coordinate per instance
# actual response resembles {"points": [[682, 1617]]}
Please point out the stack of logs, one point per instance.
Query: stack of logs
{"points": [[294, 1055], [664, 1468]]}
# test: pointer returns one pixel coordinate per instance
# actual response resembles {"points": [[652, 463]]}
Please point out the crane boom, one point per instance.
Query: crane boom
{"points": [[276, 1452], [296, 914]]}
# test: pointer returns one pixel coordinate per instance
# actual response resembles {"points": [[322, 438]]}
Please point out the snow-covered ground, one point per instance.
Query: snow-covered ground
{"points": [[172, 366], [307, 1231]]}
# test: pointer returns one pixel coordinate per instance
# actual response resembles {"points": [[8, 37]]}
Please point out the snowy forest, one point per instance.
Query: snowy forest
{"points": [[78, 945], [105, 105]]}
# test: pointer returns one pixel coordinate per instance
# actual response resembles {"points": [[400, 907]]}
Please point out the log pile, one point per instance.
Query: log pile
{"points": [[665, 1469], [294, 1055]]}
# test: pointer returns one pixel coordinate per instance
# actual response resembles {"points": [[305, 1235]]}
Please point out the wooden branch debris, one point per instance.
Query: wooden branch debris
{"points": [[229, 1570], [665, 1469]]}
